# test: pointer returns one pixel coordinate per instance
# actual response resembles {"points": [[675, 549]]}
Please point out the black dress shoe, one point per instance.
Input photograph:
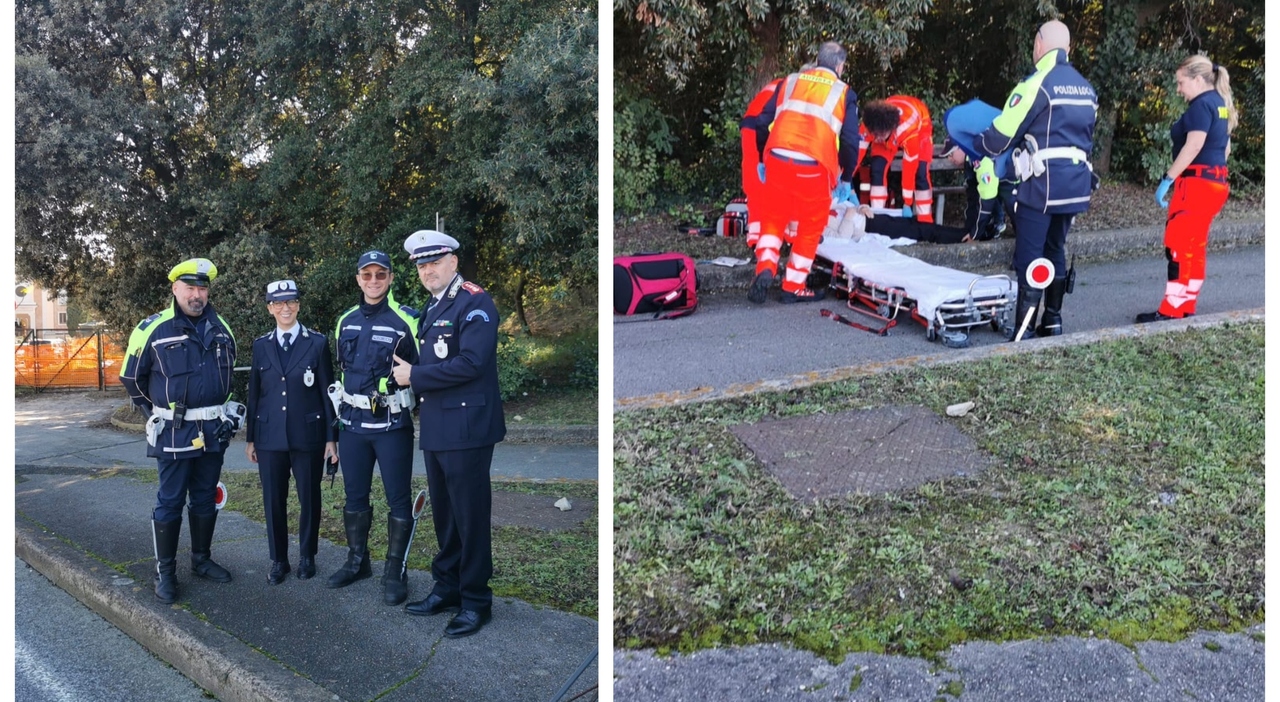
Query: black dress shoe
{"points": [[467, 623], [279, 570], [306, 567], [434, 604]]}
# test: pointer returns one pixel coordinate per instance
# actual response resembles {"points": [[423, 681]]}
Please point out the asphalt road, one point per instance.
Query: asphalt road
{"points": [[63, 652], [729, 340]]}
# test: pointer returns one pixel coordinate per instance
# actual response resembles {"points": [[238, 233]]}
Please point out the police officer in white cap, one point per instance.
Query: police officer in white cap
{"points": [[290, 426], [456, 380], [178, 370]]}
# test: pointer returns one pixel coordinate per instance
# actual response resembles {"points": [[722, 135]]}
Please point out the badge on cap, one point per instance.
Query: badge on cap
{"points": [[427, 245], [282, 290]]}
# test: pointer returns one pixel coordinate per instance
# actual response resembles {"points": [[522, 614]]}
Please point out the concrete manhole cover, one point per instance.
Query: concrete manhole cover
{"points": [[861, 451]]}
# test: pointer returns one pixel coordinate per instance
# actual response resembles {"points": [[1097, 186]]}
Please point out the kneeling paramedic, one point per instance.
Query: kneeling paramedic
{"points": [[178, 370], [375, 424]]}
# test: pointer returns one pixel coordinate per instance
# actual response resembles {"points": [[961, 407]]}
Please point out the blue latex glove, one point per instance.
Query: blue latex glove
{"points": [[844, 192], [1163, 190], [906, 211], [760, 171]]}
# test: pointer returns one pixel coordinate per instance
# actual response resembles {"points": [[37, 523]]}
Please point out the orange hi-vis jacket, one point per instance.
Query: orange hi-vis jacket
{"points": [[811, 111], [914, 125], [756, 106]]}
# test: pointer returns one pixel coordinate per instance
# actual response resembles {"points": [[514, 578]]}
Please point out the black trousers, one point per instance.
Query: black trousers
{"points": [[393, 452], [183, 479], [461, 503], [274, 468], [895, 227]]}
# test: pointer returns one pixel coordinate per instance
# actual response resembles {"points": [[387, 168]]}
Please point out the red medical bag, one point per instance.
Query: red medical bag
{"points": [[662, 284]]}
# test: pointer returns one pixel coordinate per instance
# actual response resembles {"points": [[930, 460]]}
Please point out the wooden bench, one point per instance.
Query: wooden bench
{"points": [[940, 193]]}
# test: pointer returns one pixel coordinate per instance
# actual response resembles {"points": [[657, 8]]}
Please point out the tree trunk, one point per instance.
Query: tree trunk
{"points": [[768, 36], [519, 304], [1104, 135]]}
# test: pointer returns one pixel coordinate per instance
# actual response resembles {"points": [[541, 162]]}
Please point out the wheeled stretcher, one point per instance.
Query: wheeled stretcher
{"points": [[949, 303]]}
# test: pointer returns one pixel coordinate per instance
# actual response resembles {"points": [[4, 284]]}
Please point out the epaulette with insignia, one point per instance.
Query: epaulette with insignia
{"points": [[472, 288], [147, 322], [409, 311], [264, 336]]}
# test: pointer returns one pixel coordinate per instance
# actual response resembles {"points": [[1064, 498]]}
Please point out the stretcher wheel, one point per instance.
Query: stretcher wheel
{"points": [[995, 324], [931, 334], [882, 310]]}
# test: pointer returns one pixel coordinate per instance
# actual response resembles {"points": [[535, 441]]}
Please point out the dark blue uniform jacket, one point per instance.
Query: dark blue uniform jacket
{"points": [[172, 358], [456, 378], [285, 413]]}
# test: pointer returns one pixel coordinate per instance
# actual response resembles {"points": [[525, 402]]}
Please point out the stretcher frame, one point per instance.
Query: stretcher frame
{"points": [[951, 321]]}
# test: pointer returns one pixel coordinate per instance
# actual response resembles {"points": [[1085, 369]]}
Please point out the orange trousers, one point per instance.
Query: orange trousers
{"points": [[1196, 200], [799, 192]]}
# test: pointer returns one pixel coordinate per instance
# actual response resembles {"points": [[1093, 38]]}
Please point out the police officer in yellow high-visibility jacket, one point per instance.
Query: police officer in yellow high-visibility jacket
{"points": [[1049, 119], [178, 370]]}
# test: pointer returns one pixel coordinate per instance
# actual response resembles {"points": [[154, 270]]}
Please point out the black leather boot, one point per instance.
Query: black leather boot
{"points": [[202, 526], [357, 566], [395, 581], [1028, 301], [1051, 319], [165, 537]]}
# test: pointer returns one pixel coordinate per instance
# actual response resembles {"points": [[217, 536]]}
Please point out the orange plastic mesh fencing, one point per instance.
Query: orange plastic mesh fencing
{"points": [[67, 362]]}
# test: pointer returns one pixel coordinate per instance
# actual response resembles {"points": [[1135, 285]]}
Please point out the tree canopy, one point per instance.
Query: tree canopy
{"points": [[282, 138]]}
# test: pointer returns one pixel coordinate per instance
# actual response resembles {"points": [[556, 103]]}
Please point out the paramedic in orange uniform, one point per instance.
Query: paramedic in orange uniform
{"points": [[1201, 144], [807, 137], [899, 123], [751, 184]]}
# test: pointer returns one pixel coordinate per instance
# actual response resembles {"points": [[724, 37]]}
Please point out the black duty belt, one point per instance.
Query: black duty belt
{"points": [[1217, 174]]}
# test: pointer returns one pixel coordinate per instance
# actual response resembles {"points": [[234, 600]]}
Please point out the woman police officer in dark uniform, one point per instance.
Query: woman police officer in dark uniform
{"points": [[291, 427]]}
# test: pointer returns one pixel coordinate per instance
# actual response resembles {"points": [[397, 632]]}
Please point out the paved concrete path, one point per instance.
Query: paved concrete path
{"points": [[70, 429], [1205, 666], [248, 640]]}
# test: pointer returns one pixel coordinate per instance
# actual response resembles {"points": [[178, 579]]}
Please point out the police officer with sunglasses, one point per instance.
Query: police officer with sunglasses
{"points": [[375, 423]]}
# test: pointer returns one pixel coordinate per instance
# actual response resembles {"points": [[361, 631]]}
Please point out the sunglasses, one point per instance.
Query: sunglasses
{"points": [[379, 275]]}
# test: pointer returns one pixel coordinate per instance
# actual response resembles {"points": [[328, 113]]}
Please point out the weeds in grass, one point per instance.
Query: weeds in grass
{"points": [[1126, 502], [552, 569]]}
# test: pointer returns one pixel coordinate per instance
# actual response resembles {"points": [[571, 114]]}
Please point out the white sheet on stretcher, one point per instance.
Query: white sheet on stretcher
{"points": [[929, 285]]}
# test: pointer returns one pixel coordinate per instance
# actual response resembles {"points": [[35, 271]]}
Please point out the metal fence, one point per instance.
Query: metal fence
{"points": [[55, 358]]}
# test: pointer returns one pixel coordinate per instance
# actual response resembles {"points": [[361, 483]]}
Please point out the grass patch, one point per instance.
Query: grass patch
{"points": [[1127, 501], [556, 406], [550, 569]]}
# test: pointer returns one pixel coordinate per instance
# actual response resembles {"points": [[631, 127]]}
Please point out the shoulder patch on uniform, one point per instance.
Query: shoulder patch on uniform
{"points": [[472, 287], [987, 178], [147, 322], [477, 313], [1014, 100]]}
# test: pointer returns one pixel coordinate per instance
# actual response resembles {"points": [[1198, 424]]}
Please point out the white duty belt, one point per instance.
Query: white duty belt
{"points": [[192, 413], [1029, 162], [397, 401]]}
